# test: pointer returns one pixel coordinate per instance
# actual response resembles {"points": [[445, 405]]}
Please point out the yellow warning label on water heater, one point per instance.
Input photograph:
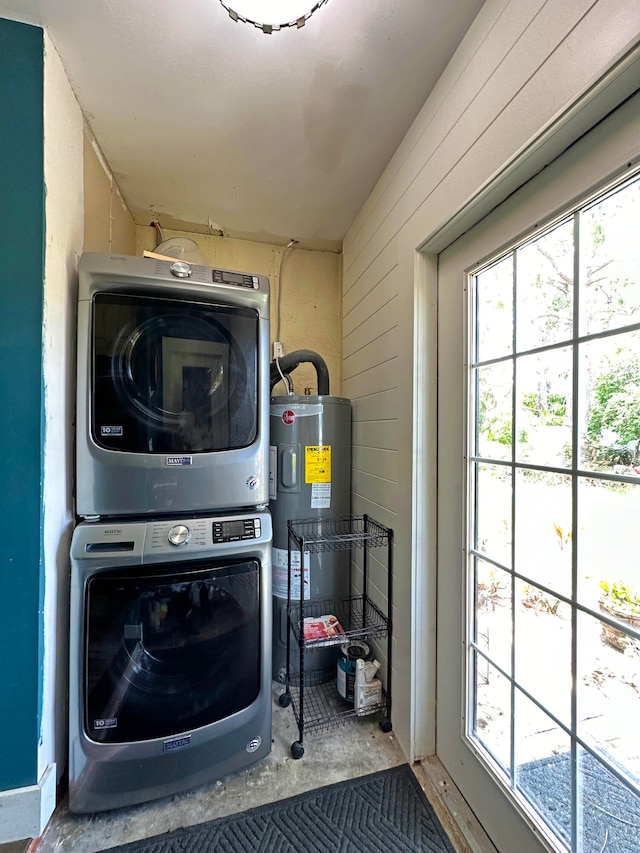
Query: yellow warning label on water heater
{"points": [[317, 464]]}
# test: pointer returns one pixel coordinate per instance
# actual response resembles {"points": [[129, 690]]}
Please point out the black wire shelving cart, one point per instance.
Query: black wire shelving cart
{"points": [[316, 703]]}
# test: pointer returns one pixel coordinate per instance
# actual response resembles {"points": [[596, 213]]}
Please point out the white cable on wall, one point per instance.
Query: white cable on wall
{"points": [[278, 301]]}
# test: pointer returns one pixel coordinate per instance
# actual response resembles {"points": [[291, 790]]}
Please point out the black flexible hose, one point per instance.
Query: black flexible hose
{"points": [[289, 362]]}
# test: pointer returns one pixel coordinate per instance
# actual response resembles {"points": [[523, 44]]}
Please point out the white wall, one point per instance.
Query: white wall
{"points": [[108, 224], [63, 141], [522, 64]]}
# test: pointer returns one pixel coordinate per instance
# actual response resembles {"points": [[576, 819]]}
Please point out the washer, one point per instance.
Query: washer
{"points": [[170, 661], [172, 388]]}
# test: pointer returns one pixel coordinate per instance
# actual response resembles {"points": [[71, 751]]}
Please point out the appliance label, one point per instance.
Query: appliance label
{"points": [[179, 460], [321, 496], [317, 464], [111, 430], [280, 573], [176, 743], [106, 723]]}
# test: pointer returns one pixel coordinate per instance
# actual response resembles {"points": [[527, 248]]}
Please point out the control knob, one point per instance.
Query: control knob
{"points": [[180, 269], [179, 534]]}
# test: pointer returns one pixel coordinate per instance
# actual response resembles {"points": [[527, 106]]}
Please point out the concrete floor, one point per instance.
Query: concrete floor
{"points": [[345, 752]]}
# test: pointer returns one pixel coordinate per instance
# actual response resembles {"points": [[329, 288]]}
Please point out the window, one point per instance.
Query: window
{"points": [[553, 667]]}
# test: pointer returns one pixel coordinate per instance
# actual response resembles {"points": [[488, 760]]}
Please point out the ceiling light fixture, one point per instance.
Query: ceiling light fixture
{"points": [[272, 15]]}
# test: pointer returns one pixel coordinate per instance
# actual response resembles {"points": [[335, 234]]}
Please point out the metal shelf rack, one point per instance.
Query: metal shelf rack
{"points": [[317, 704]]}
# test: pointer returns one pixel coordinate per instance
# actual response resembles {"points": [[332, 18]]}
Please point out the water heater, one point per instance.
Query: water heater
{"points": [[310, 478]]}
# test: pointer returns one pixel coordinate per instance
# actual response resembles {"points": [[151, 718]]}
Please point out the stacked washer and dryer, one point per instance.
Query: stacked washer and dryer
{"points": [[171, 614]]}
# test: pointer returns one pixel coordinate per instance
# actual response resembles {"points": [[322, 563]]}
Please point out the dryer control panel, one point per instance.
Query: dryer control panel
{"points": [[237, 278]]}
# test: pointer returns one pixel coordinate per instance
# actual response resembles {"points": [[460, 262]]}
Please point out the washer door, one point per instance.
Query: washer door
{"points": [[172, 376], [168, 652]]}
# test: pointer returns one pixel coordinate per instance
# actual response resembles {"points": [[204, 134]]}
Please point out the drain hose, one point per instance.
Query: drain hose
{"points": [[289, 362]]}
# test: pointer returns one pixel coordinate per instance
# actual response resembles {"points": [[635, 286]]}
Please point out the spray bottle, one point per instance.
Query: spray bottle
{"points": [[367, 688]]}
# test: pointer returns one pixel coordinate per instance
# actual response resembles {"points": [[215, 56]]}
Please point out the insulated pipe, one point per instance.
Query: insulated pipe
{"points": [[288, 363]]}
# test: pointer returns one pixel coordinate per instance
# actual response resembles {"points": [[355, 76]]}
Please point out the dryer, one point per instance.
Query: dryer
{"points": [[172, 387], [170, 655]]}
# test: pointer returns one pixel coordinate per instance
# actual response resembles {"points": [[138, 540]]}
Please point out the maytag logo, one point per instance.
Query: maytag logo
{"points": [[176, 743], [179, 460], [254, 744]]}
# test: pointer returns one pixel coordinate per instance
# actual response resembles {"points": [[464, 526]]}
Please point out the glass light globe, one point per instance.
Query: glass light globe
{"points": [[272, 13]]}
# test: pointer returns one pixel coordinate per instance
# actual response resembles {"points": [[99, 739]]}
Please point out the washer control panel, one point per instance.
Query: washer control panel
{"points": [[198, 534], [236, 529], [163, 535], [134, 542]]}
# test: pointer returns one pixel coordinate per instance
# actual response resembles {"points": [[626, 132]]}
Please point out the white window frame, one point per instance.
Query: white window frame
{"points": [[606, 154]]}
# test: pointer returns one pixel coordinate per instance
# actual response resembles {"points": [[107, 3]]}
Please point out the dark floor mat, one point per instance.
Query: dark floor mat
{"points": [[384, 812], [609, 817]]}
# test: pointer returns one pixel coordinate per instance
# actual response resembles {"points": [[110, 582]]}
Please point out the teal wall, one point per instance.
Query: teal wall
{"points": [[21, 423]]}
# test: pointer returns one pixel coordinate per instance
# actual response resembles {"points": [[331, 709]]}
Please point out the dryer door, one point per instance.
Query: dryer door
{"points": [[171, 376], [170, 651]]}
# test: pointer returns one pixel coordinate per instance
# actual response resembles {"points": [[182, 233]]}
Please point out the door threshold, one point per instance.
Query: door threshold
{"points": [[452, 810]]}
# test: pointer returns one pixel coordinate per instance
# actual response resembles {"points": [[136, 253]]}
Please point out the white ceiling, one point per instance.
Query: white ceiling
{"points": [[269, 137]]}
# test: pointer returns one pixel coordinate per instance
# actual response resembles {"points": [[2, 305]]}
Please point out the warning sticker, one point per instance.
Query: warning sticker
{"points": [[321, 496], [317, 464], [280, 574]]}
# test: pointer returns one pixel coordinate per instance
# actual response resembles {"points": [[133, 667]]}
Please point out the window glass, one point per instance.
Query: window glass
{"points": [[554, 473]]}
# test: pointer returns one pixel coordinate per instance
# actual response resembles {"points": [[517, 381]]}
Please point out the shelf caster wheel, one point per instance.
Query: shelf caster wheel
{"points": [[284, 700], [385, 725], [297, 749]]}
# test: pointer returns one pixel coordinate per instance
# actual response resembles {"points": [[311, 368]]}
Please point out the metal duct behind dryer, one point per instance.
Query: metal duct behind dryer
{"points": [[310, 478]]}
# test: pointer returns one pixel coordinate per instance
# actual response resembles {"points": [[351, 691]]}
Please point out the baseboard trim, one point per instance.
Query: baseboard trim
{"points": [[453, 812], [24, 812]]}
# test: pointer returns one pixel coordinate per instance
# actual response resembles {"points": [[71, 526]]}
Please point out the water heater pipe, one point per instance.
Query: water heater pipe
{"points": [[289, 362]]}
